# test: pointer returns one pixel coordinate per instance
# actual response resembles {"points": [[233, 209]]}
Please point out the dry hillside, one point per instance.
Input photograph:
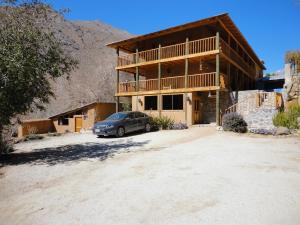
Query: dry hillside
{"points": [[95, 79]]}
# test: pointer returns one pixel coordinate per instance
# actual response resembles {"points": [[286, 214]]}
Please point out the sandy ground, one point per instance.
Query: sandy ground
{"points": [[196, 176]]}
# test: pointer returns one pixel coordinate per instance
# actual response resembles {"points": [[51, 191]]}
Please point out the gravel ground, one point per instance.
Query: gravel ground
{"points": [[195, 176]]}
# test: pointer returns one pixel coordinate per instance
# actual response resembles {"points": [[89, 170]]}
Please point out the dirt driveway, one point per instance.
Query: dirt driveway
{"points": [[196, 176]]}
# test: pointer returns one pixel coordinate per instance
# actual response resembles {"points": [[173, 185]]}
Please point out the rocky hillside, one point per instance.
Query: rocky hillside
{"points": [[95, 78]]}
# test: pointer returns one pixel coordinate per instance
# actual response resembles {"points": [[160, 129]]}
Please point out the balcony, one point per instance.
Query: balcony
{"points": [[167, 53], [196, 82], [189, 49]]}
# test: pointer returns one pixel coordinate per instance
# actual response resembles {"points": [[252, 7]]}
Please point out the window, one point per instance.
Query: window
{"points": [[139, 115], [150, 102], [172, 102], [63, 121]]}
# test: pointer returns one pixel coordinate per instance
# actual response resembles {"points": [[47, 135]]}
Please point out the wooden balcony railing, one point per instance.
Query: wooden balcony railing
{"points": [[171, 51], [173, 83], [231, 53]]}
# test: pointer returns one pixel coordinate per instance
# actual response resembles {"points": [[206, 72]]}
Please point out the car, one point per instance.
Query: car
{"points": [[121, 123]]}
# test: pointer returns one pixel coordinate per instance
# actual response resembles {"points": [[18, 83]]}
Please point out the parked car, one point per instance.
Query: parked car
{"points": [[121, 123]]}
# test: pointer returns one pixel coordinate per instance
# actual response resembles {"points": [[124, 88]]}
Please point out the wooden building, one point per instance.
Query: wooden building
{"points": [[74, 120], [187, 72], [83, 117]]}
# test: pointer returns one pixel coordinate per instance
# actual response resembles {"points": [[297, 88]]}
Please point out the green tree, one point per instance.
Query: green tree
{"points": [[30, 56]]}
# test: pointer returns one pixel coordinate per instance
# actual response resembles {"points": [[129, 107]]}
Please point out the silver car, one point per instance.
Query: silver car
{"points": [[121, 123]]}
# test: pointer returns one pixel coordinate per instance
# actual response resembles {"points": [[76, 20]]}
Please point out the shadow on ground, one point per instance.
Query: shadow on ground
{"points": [[68, 153]]}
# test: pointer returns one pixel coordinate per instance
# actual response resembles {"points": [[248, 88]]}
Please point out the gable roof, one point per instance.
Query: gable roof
{"points": [[78, 108], [222, 18]]}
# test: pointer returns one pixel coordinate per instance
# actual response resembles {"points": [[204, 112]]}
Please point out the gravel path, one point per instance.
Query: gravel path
{"points": [[195, 176]]}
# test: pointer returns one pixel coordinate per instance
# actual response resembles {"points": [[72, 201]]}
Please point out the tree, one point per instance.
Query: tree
{"points": [[293, 57], [30, 56]]}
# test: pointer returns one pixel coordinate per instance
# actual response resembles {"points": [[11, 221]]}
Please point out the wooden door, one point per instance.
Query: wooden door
{"points": [[78, 124], [196, 111]]}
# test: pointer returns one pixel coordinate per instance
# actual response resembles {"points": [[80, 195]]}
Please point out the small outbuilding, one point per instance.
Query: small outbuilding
{"points": [[82, 118], [74, 120]]}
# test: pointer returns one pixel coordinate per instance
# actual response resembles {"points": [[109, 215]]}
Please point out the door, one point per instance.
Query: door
{"points": [[197, 111], [130, 123], [78, 124], [140, 120]]}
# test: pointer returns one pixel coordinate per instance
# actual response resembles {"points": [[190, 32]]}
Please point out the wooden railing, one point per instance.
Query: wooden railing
{"points": [[176, 82], [231, 53], [171, 51]]}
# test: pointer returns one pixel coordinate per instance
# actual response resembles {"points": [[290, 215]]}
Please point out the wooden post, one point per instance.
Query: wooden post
{"points": [[118, 82], [159, 81], [218, 80], [137, 72], [186, 71]]}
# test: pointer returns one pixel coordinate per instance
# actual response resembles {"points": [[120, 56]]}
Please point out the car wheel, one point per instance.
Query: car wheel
{"points": [[120, 132], [147, 127]]}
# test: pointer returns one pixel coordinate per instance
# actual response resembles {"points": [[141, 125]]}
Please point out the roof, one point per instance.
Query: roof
{"points": [[78, 108], [223, 18]]}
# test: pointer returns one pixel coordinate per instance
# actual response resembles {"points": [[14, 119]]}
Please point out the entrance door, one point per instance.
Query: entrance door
{"points": [[197, 111], [78, 124]]}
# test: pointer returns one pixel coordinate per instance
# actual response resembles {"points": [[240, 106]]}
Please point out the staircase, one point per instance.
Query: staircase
{"points": [[258, 109]]}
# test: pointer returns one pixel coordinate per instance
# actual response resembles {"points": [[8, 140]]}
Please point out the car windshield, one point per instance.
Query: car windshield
{"points": [[117, 116]]}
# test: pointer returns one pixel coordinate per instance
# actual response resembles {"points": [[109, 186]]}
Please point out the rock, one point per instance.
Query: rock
{"points": [[219, 128], [282, 131], [298, 121]]}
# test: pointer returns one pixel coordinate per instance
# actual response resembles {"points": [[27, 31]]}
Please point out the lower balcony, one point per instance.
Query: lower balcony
{"points": [[195, 82]]}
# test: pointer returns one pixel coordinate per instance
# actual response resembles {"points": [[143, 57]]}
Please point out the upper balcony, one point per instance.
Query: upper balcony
{"points": [[169, 53], [196, 48]]}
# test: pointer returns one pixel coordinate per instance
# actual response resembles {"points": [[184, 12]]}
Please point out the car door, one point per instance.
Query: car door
{"points": [[130, 123], [140, 120]]}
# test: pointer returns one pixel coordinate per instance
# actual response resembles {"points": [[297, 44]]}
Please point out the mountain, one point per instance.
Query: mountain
{"points": [[95, 78]]}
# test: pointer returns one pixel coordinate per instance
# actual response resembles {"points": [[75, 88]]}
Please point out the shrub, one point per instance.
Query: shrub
{"points": [[288, 119], [179, 126], [126, 107], [164, 122], [32, 137], [234, 122]]}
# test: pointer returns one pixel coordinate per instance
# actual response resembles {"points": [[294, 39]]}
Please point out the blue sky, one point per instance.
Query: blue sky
{"points": [[271, 26]]}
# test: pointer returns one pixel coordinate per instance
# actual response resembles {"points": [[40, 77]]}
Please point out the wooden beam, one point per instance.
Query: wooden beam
{"points": [[218, 80], [117, 88], [186, 71], [159, 81], [169, 91]]}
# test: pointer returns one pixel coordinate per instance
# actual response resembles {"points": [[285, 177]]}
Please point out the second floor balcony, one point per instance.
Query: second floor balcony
{"points": [[204, 81]]}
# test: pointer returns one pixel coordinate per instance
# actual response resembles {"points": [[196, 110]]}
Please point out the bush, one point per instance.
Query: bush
{"points": [[32, 137], [234, 122], [288, 119], [126, 107], [164, 122], [179, 126]]}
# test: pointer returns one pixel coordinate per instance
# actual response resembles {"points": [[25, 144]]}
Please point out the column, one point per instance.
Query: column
{"points": [[186, 70], [159, 81], [218, 80], [117, 88]]}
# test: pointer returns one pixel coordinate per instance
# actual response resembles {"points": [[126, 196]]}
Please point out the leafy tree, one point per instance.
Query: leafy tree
{"points": [[30, 56]]}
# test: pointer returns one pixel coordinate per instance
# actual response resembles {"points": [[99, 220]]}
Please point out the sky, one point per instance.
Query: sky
{"points": [[271, 26]]}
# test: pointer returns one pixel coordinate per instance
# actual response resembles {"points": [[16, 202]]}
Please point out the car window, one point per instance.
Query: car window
{"points": [[139, 115], [131, 115]]}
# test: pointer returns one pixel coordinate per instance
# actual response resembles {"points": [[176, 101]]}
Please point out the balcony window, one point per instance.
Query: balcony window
{"points": [[150, 102], [172, 102]]}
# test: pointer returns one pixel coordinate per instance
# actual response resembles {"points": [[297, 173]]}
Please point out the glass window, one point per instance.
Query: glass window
{"points": [[139, 115], [150, 102], [172, 102]]}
